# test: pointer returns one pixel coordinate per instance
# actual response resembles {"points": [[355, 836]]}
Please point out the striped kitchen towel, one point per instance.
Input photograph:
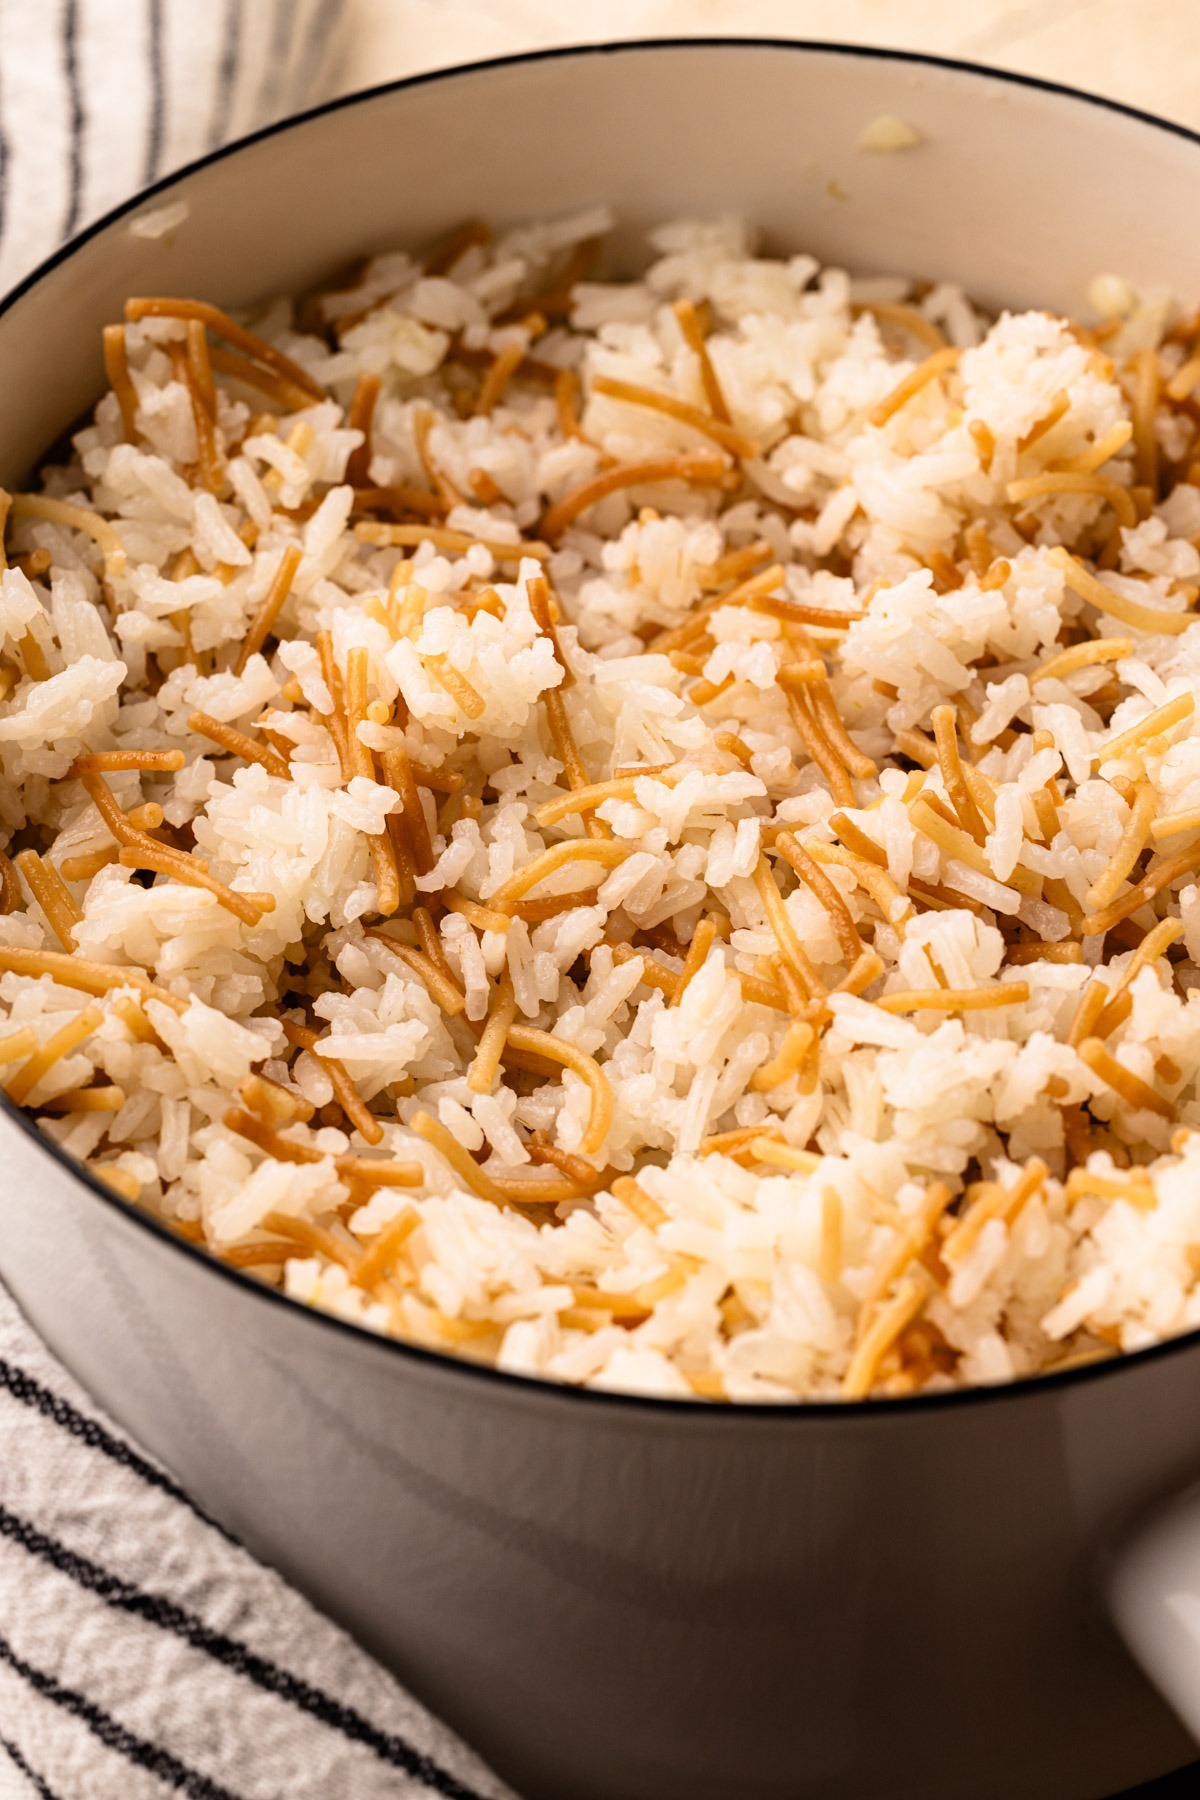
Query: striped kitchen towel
{"points": [[143, 1652], [100, 97]]}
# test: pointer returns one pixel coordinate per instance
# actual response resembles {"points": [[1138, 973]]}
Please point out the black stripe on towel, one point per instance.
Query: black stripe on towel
{"points": [[156, 1609], [70, 36], [227, 73], [60, 1412], [316, 50], [156, 119], [40, 1787], [115, 1736], [275, 65]]}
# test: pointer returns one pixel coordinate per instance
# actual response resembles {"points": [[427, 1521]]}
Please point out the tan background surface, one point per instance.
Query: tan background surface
{"points": [[1146, 52]]}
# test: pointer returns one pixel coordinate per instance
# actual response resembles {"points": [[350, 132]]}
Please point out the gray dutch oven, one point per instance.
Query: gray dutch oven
{"points": [[613, 1598]]}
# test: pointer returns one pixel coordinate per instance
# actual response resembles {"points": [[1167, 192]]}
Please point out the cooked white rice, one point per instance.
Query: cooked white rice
{"points": [[857, 1050]]}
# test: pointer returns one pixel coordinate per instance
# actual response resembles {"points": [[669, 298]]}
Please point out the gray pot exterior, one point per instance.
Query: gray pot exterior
{"points": [[616, 1600]]}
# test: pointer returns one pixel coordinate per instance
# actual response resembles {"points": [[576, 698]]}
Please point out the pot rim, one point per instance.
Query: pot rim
{"points": [[539, 1389]]}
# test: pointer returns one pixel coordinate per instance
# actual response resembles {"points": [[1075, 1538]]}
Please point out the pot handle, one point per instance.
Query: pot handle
{"points": [[1153, 1588]]}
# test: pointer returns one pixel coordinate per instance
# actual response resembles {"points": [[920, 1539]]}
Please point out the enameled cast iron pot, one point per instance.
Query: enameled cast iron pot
{"points": [[612, 1598]]}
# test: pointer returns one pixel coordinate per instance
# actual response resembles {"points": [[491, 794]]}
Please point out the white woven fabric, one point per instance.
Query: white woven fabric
{"points": [[144, 1653], [101, 97]]}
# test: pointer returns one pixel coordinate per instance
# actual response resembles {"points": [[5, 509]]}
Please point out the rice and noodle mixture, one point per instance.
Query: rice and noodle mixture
{"points": [[645, 833]]}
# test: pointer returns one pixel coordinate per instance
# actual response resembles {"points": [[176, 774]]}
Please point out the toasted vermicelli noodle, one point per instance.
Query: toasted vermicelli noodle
{"points": [[643, 832]]}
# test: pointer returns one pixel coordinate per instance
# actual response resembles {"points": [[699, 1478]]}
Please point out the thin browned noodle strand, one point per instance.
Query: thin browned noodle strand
{"points": [[237, 336]]}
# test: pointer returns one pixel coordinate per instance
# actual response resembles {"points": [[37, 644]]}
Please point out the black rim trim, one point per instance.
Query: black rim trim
{"points": [[546, 1389]]}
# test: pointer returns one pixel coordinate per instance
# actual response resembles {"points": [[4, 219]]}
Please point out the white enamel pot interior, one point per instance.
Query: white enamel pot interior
{"points": [[616, 1598]]}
